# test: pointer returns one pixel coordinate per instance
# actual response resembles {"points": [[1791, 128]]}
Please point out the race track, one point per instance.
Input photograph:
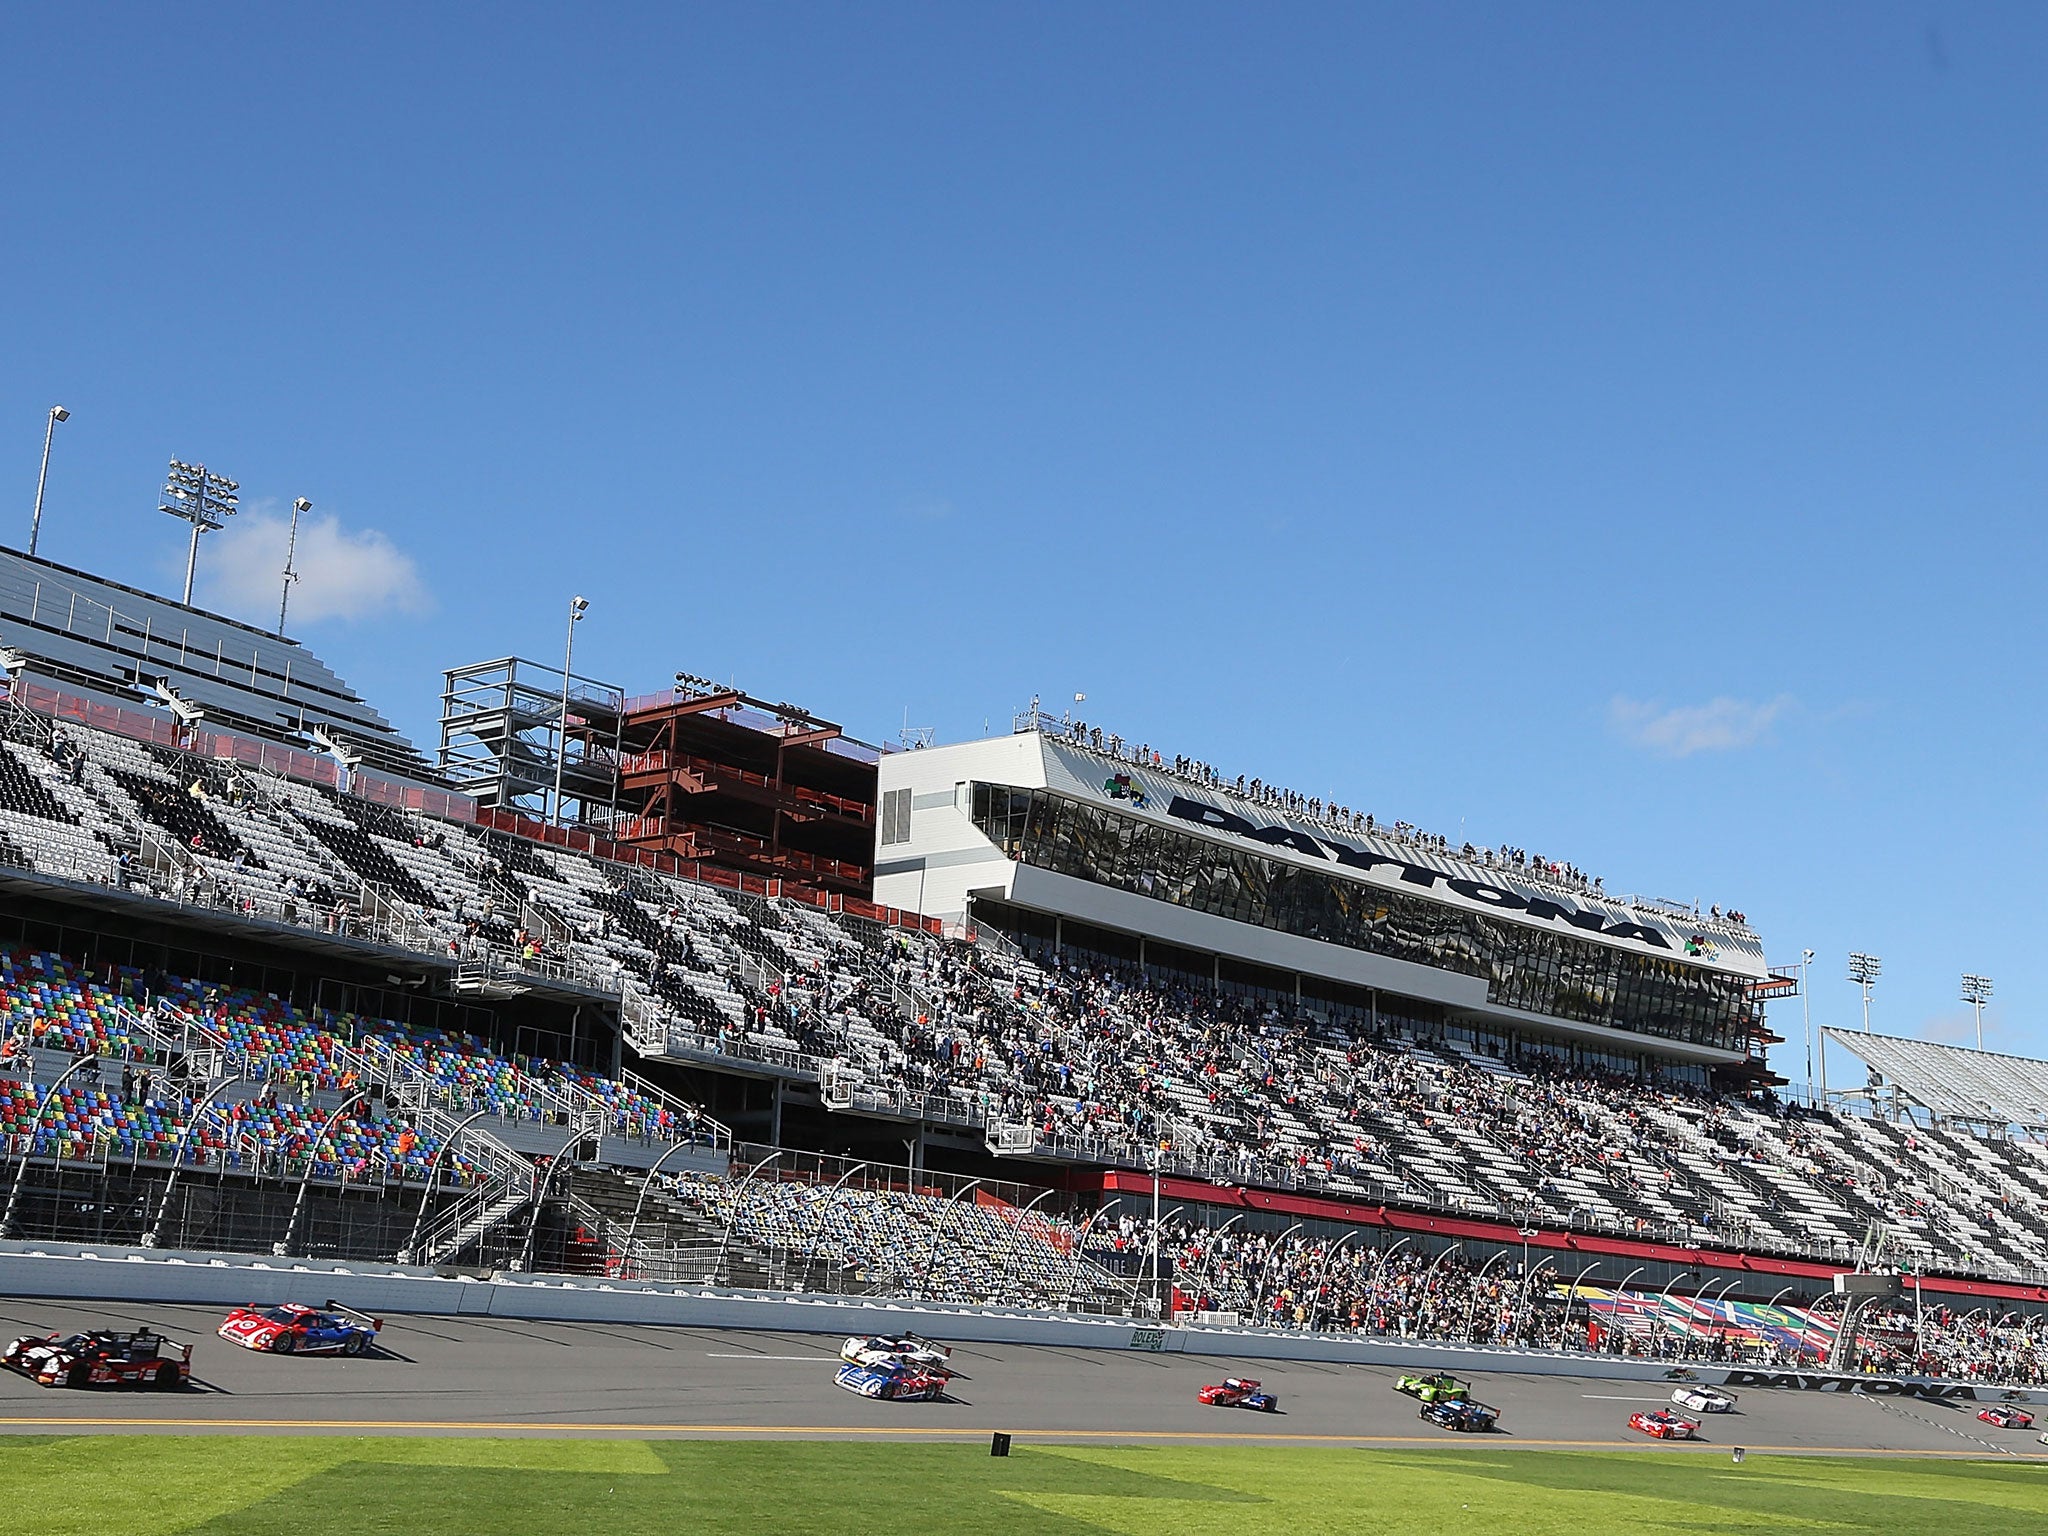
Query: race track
{"points": [[477, 1376]]}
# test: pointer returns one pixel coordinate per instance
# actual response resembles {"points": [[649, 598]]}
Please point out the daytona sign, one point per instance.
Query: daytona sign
{"points": [[1542, 908], [1876, 1386]]}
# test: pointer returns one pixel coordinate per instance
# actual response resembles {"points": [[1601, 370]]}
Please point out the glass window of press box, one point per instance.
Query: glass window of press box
{"points": [[1563, 976]]}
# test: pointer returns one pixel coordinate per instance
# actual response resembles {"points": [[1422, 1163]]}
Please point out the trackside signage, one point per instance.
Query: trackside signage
{"points": [[1874, 1386], [1479, 892]]}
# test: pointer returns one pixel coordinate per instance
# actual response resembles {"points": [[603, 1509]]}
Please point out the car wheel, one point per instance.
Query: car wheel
{"points": [[80, 1375], [169, 1378], [355, 1345], [283, 1344]]}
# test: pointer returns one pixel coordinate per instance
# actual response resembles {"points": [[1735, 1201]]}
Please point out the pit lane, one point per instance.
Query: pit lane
{"points": [[477, 1376]]}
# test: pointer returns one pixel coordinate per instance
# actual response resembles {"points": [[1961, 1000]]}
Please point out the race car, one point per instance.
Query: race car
{"points": [[1664, 1426], [911, 1347], [897, 1381], [1461, 1413], [1442, 1387], [143, 1358], [1704, 1399], [295, 1329], [1239, 1392], [2005, 1416]]}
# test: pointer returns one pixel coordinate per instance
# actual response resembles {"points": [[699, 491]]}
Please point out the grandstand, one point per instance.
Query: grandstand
{"points": [[1952, 1086], [258, 993]]}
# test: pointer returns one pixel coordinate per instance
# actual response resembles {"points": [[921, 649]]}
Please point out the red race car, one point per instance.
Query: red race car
{"points": [[1664, 1426], [294, 1329], [143, 1358], [1239, 1392], [2005, 1416]]}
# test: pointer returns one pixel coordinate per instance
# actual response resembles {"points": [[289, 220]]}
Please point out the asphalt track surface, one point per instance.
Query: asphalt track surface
{"points": [[487, 1376]]}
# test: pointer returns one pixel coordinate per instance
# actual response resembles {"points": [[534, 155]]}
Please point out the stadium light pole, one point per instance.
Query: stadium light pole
{"points": [[647, 1183], [35, 527], [1016, 1244], [824, 1213], [1863, 970], [1265, 1272], [939, 1223], [29, 1146], [1977, 992], [1806, 1016], [725, 1241], [577, 606], [312, 1162], [410, 1253], [196, 495], [300, 507], [1081, 1243], [156, 1228], [1315, 1310]]}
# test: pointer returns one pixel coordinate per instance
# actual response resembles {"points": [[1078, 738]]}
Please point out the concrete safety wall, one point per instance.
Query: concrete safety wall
{"points": [[85, 1272]]}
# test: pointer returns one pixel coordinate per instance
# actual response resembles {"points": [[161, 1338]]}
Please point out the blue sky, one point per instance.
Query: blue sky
{"points": [[1612, 430]]}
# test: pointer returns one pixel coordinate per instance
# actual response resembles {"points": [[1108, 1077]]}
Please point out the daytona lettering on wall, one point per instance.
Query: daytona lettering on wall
{"points": [[1876, 1386]]}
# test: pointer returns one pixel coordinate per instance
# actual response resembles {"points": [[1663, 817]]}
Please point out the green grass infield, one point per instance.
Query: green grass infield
{"points": [[223, 1485]]}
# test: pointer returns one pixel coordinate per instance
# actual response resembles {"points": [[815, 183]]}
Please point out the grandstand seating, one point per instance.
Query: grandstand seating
{"points": [[900, 1241], [1087, 1059]]}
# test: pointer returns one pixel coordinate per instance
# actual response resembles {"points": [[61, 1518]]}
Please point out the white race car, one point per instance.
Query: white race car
{"points": [[1704, 1399], [907, 1348]]}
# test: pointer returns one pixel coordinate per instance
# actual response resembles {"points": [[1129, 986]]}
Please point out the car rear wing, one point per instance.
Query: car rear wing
{"points": [[918, 1338], [374, 1324], [166, 1348]]}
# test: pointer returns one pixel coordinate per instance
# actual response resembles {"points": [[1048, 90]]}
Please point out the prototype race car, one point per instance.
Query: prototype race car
{"points": [[2005, 1416], [897, 1381], [1442, 1387], [1704, 1399], [910, 1348], [295, 1329], [1239, 1392], [143, 1358], [1664, 1426], [1461, 1413]]}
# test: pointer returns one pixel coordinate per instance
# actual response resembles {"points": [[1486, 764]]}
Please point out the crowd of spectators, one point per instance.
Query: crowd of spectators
{"points": [[1317, 810]]}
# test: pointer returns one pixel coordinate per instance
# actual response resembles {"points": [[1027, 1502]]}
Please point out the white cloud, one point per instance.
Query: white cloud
{"points": [[343, 574], [1719, 725]]}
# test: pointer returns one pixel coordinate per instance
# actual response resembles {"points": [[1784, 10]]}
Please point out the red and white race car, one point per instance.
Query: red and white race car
{"points": [[2005, 1416], [143, 1358], [295, 1329], [1239, 1392], [1664, 1426]]}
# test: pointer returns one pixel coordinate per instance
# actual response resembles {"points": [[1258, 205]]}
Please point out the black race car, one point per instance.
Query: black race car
{"points": [[1461, 1413], [143, 1358]]}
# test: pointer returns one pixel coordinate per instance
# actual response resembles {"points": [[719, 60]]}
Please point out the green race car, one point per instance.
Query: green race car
{"points": [[1439, 1388]]}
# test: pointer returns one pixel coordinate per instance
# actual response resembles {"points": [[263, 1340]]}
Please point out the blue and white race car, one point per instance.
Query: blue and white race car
{"points": [[910, 1348], [896, 1381]]}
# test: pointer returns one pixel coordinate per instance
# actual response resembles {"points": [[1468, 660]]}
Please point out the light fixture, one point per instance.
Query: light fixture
{"points": [[1863, 970], [196, 495], [1977, 992]]}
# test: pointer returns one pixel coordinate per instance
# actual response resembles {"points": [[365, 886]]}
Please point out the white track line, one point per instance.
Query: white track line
{"points": [[741, 1354]]}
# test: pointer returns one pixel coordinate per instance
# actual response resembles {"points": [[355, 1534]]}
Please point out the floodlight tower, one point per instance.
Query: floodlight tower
{"points": [[1863, 970], [35, 527], [1977, 992], [195, 494], [577, 605]]}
